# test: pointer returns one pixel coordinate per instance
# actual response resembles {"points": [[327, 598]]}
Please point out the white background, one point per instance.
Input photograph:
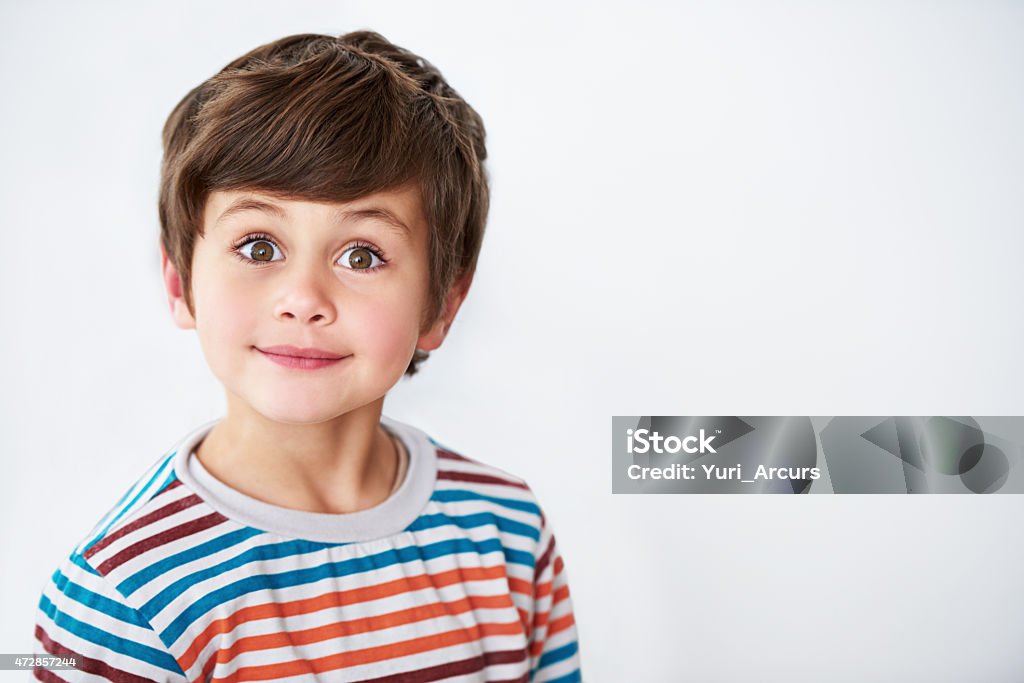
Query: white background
{"points": [[710, 209]]}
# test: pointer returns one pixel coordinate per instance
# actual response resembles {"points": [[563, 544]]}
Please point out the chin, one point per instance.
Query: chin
{"points": [[296, 417], [297, 409], [306, 406]]}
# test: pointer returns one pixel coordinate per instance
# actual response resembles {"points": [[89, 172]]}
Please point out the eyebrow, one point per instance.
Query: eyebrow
{"points": [[243, 204], [380, 214], [252, 204]]}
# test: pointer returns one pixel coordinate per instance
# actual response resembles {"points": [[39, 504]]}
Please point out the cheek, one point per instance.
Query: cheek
{"points": [[224, 315], [387, 331]]}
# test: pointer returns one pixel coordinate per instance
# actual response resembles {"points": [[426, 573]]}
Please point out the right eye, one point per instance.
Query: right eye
{"points": [[261, 249]]}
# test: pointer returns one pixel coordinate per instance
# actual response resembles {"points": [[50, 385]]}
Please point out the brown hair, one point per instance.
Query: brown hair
{"points": [[327, 118]]}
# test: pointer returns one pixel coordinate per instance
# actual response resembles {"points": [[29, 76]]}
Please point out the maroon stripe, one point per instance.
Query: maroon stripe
{"points": [[87, 664], [172, 534], [47, 675], [459, 668], [542, 562], [166, 510], [442, 453], [477, 478]]}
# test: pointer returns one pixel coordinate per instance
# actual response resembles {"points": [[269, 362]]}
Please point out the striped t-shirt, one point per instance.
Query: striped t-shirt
{"points": [[454, 577]]}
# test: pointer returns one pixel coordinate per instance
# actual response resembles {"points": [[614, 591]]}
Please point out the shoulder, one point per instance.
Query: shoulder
{"points": [[459, 471], [87, 608], [454, 466], [470, 491], [158, 482], [155, 495]]}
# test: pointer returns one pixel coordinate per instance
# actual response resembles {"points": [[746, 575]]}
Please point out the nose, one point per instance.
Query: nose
{"points": [[304, 296]]}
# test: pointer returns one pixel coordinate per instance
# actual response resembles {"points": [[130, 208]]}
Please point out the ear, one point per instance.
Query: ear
{"points": [[432, 338], [172, 283]]}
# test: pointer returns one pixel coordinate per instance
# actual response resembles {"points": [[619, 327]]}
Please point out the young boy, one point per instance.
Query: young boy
{"points": [[322, 206]]}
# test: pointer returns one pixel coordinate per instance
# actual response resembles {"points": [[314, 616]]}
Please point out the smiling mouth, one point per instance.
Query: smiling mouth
{"points": [[299, 352], [300, 362]]}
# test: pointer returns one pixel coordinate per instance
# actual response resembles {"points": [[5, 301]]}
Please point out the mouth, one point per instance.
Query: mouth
{"points": [[300, 358], [299, 352]]}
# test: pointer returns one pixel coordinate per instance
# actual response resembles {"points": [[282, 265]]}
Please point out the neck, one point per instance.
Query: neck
{"points": [[341, 465]]}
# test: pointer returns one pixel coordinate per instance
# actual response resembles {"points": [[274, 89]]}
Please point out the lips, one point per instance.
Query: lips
{"points": [[301, 359], [299, 352]]}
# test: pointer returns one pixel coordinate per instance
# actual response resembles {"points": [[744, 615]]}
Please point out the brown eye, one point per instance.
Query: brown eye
{"points": [[361, 258], [262, 251]]}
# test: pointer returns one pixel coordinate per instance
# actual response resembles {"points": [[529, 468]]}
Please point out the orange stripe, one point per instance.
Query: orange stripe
{"points": [[560, 624], [524, 617], [352, 627], [520, 586], [540, 621], [334, 599], [207, 668], [373, 654]]}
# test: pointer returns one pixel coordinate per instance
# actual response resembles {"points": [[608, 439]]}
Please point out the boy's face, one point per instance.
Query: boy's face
{"points": [[347, 279]]}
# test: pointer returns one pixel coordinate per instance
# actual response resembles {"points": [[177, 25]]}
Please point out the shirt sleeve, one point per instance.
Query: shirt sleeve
{"points": [[554, 649], [81, 615]]}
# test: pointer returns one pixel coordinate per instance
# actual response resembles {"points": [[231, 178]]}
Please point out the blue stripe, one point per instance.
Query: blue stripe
{"points": [[134, 500], [211, 547], [82, 563], [557, 655], [301, 547], [457, 495], [518, 557], [100, 603], [298, 577], [478, 519], [260, 553], [143, 653], [171, 476]]}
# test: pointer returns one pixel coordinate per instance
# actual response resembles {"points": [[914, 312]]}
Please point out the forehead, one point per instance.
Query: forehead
{"points": [[400, 210]]}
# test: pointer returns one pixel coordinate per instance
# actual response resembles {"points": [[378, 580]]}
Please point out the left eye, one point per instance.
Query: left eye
{"points": [[262, 250], [359, 258]]}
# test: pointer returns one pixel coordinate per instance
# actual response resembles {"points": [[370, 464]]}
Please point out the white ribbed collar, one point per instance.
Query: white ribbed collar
{"points": [[385, 519]]}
